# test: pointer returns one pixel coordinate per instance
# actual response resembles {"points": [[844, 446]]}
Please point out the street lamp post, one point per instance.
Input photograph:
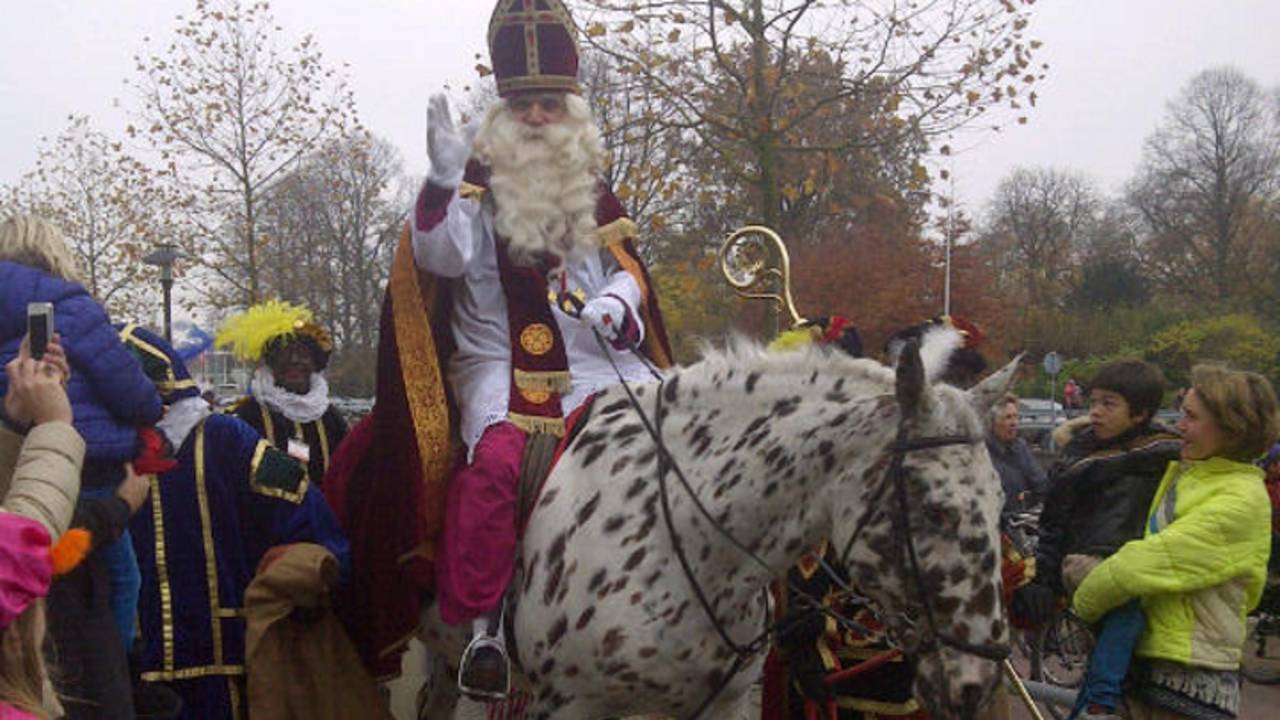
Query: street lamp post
{"points": [[165, 255]]}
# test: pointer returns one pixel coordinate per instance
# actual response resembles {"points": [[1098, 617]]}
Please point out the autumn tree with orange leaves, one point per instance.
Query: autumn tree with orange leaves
{"points": [[754, 84], [810, 117]]}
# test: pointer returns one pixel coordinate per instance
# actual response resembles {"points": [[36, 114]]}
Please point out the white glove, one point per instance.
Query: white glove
{"points": [[606, 315], [447, 148]]}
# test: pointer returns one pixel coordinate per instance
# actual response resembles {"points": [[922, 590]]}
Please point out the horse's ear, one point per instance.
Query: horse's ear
{"points": [[910, 386], [986, 393]]}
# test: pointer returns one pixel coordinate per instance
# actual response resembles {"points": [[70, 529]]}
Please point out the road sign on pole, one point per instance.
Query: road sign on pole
{"points": [[1052, 364]]}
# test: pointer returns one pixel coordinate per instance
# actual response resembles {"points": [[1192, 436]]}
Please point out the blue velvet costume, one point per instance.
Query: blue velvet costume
{"points": [[199, 539]]}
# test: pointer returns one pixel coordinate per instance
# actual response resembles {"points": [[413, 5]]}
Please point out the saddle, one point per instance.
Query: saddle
{"points": [[540, 456]]}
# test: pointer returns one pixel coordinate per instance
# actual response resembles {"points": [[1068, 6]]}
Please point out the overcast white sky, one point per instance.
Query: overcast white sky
{"points": [[1114, 63]]}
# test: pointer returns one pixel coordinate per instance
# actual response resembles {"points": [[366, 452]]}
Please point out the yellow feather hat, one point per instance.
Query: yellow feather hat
{"points": [[250, 333]]}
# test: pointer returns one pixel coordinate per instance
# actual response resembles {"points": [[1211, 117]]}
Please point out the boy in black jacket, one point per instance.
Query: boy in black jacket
{"points": [[1099, 496]]}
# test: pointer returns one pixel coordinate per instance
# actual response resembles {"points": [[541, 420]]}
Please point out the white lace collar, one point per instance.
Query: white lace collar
{"points": [[298, 408], [180, 418]]}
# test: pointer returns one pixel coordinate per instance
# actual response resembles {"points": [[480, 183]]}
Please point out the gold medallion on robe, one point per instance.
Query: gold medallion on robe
{"points": [[537, 397], [537, 339]]}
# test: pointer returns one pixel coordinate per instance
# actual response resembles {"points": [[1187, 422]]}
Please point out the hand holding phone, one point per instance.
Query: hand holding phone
{"points": [[36, 394]]}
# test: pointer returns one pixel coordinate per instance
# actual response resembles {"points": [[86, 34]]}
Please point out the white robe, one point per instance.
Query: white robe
{"points": [[463, 246]]}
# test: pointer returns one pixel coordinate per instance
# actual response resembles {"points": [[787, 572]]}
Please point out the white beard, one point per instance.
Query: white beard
{"points": [[544, 181]]}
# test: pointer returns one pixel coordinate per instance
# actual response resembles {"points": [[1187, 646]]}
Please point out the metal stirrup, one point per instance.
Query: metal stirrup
{"points": [[488, 640]]}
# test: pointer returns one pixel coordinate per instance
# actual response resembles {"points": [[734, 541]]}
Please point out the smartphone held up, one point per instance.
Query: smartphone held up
{"points": [[39, 328]]}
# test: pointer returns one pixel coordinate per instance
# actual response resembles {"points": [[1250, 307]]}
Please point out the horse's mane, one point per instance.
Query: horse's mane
{"points": [[743, 354]]}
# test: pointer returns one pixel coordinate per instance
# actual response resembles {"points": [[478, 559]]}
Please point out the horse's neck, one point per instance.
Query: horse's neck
{"points": [[767, 451]]}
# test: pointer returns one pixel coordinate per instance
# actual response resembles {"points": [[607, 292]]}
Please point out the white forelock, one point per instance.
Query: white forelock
{"points": [[936, 348]]}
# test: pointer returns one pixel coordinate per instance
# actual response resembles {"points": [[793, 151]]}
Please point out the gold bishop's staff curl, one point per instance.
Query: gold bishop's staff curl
{"points": [[745, 264]]}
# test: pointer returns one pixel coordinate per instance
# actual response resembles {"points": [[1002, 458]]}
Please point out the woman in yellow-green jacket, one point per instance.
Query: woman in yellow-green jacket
{"points": [[1202, 565]]}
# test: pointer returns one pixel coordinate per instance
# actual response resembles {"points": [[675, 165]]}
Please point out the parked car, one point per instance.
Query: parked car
{"points": [[1040, 410], [1037, 419], [353, 409]]}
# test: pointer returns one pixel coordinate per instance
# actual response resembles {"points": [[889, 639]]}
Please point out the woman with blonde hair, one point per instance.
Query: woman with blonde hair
{"points": [[1202, 564], [35, 242]]}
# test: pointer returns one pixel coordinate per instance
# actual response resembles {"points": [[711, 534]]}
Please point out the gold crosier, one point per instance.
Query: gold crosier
{"points": [[745, 263]]}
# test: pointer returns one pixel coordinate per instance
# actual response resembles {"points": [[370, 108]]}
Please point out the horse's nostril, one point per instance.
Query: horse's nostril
{"points": [[971, 698]]}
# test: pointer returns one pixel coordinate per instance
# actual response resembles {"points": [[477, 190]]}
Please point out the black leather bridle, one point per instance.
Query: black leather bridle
{"points": [[895, 479], [904, 538]]}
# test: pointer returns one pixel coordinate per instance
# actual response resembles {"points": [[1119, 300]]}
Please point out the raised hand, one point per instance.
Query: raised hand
{"points": [[447, 147], [36, 393]]}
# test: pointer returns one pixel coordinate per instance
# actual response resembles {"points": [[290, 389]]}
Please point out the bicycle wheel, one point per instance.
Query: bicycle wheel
{"points": [[1256, 665], [1060, 656]]}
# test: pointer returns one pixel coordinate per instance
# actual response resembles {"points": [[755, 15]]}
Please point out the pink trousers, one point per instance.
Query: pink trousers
{"points": [[477, 548]]}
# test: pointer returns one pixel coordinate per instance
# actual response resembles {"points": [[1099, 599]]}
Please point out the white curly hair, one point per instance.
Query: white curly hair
{"points": [[544, 180]]}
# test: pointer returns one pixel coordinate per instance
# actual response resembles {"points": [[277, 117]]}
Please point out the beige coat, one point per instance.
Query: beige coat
{"points": [[40, 474]]}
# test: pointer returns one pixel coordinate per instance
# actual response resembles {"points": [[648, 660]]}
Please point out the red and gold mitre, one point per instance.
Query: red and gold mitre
{"points": [[533, 45]]}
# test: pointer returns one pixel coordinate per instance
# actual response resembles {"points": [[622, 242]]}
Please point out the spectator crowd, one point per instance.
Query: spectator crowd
{"points": [[182, 561]]}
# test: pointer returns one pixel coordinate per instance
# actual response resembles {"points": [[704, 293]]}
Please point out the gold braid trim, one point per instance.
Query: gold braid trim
{"points": [[165, 386], [535, 424], [538, 82], [652, 347], [829, 660], [294, 496], [210, 559], [471, 191], [324, 442], [268, 426], [162, 573], [624, 228], [419, 363], [876, 706], [628, 263], [555, 381], [233, 690], [171, 382], [193, 672]]}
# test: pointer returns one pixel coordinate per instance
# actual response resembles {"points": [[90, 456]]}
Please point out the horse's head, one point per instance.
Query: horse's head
{"points": [[928, 551]]}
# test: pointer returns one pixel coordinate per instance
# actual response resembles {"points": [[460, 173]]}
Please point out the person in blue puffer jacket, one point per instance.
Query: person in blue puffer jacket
{"points": [[114, 402]]}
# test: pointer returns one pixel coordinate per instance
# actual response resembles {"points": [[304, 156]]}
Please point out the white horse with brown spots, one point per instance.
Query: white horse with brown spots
{"points": [[781, 450]]}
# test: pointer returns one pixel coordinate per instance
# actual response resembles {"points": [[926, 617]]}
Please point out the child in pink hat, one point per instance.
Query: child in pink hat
{"points": [[25, 572]]}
